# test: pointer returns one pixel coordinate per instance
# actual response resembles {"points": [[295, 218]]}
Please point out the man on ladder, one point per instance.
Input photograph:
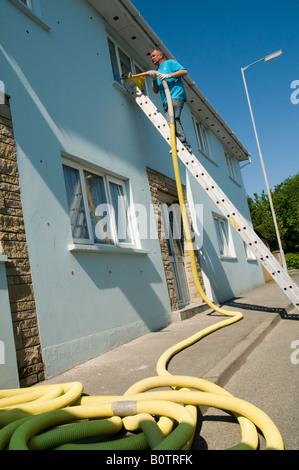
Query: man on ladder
{"points": [[172, 72], [194, 166]]}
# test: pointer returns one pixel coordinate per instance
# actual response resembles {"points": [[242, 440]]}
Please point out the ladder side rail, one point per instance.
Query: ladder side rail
{"points": [[243, 228], [215, 193]]}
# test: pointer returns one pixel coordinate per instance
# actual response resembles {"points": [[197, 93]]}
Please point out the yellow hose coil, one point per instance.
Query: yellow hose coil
{"points": [[56, 416]]}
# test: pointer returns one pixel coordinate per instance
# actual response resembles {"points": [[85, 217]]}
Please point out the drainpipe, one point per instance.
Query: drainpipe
{"points": [[247, 163]]}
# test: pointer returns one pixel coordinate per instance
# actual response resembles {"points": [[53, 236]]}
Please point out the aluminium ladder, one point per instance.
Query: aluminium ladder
{"points": [[255, 244]]}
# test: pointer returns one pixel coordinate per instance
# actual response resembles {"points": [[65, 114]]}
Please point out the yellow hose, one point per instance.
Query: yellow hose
{"points": [[56, 416]]}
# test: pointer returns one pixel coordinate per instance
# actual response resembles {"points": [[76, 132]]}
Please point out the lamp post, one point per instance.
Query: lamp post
{"points": [[265, 59]]}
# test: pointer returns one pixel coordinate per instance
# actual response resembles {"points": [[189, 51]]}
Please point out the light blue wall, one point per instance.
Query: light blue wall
{"points": [[225, 277], [63, 100]]}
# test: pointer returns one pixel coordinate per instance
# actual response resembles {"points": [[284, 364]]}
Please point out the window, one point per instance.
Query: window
{"points": [[27, 3], [97, 206], [32, 9], [231, 166], [222, 235], [201, 135], [122, 63], [249, 254]]}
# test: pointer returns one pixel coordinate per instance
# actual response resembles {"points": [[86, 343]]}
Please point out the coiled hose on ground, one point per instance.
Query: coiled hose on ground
{"points": [[58, 416]]}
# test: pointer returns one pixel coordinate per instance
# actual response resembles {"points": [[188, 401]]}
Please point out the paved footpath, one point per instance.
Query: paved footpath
{"points": [[269, 379], [251, 359]]}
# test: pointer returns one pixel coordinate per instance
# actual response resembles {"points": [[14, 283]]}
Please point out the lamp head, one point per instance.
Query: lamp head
{"points": [[273, 56]]}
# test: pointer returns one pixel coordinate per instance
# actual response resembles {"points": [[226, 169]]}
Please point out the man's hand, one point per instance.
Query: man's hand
{"points": [[163, 76], [152, 73]]}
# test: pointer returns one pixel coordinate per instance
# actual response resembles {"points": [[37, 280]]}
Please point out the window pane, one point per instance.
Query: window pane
{"points": [[176, 233], [138, 69], [27, 3], [99, 210], [230, 164], [224, 235], [114, 62], [205, 140], [125, 62], [200, 143], [75, 203], [119, 203], [220, 243], [249, 254]]}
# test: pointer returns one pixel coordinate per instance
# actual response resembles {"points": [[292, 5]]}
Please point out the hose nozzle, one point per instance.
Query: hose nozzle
{"points": [[127, 75]]}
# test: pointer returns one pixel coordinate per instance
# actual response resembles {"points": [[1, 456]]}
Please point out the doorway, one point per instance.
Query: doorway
{"points": [[174, 251], [175, 245]]}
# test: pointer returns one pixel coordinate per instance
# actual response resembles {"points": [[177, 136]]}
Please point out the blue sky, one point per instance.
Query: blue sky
{"points": [[213, 40]]}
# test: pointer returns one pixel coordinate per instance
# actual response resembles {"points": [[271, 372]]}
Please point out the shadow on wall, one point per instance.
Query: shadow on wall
{"points": [[129, 289], [212, 266]]}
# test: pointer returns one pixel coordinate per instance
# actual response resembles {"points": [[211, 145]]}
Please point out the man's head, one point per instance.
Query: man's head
{"points": [[157, 56]]}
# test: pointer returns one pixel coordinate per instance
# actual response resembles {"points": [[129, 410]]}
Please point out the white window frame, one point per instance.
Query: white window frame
{"points": [[230, 161], [202, 138], [135, 66], [250, 256], [223, 235], [111, 220], [31, 8], [124, 203], [27, 3]]}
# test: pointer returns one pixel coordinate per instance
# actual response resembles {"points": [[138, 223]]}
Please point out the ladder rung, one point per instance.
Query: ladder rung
{"points": [[240, 224]]}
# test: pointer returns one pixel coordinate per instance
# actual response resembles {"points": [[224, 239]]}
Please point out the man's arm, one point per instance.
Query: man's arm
{"points": [[155, 86], [178, 73], [161, 76]]}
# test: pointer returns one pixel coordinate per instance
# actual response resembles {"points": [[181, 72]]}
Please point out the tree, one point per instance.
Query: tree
{"points": [[286, 204]]}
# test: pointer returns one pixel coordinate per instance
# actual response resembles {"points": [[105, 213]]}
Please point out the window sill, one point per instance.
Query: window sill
{"points": [[112, 249], [229, 258], [123, 90], [31, 14]]}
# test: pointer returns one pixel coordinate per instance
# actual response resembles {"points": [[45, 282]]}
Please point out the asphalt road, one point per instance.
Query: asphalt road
{"points": [[269, 380]]}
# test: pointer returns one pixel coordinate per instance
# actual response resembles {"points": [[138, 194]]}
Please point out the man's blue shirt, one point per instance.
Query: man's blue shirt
{"points": [[176, 86]]}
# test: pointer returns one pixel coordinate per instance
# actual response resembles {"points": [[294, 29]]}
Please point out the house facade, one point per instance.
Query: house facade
{"points": [[91, 252]]}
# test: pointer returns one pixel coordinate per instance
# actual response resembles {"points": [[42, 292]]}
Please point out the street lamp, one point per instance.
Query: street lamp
{"points": [[265, 59]]}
